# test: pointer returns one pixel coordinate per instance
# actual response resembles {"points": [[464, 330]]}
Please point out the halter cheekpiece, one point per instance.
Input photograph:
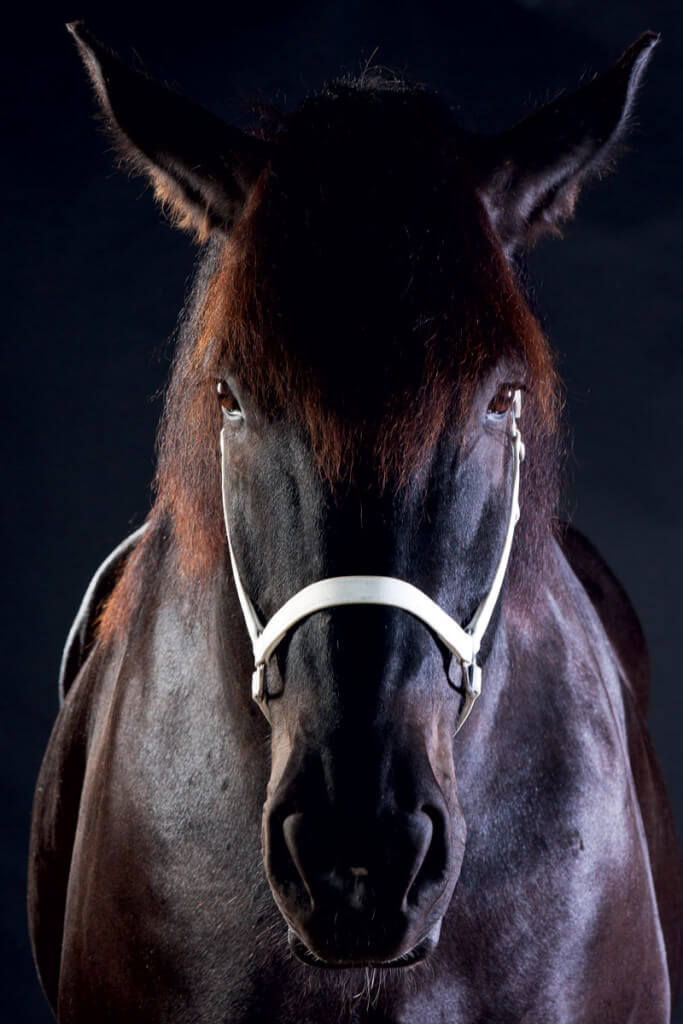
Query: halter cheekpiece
{"points": [[464, 643]]}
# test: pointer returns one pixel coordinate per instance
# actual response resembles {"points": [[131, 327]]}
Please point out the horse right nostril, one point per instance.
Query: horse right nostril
{"points": [[298, 846], [317, 864]]}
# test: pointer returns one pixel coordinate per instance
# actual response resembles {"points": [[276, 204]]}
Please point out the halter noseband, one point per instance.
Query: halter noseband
{"points": [[464, 643]]}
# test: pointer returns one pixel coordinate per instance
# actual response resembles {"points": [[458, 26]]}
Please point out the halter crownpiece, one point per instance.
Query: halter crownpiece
{"points": [[464, 643]]}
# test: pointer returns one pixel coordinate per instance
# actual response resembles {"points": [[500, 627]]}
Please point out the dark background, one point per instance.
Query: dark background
{"points": [[94, 280]]}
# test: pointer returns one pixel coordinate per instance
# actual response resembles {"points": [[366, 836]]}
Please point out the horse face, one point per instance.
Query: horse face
{"points": [[370, 214], [363, 833]]}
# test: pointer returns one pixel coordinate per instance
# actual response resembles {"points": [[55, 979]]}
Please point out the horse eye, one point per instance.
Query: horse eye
{"points": [[227, 400], [501, 403]]}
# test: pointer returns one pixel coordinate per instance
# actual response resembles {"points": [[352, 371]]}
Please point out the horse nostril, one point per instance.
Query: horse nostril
{"points": [[432, 873], [295, 842]]}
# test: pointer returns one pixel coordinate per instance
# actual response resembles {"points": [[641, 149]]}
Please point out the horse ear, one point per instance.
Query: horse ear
{"points": [[201, 168], [531, 175]]}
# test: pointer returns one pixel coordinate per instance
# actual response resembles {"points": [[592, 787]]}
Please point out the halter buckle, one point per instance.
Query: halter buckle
{"points": [[472, 679], [472, 675], [517, 403], [258, 684]]}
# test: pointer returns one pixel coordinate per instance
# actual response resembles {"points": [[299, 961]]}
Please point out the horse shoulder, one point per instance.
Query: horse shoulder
{"points": [[57, 799], [627, 640], [614, 609], [82, 632]]}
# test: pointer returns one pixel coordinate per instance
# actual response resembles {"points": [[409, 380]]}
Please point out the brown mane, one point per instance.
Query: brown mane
{"points": [[322, 333]]}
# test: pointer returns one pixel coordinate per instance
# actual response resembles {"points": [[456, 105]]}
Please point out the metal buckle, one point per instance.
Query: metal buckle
{"points": [[472, 679], [472, 675], [258, 684]]}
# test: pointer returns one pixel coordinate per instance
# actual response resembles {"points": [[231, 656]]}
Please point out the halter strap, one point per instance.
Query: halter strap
{"points": [[464, 643]]}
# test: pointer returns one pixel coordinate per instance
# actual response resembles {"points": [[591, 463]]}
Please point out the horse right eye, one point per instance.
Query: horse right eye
{"points": [[501, 403]]}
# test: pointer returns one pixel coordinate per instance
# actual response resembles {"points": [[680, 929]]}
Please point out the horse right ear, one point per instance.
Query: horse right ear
{"points": [[202, 170]]}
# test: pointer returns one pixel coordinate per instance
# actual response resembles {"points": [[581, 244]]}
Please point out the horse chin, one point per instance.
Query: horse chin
{"points": [[413, 956]]}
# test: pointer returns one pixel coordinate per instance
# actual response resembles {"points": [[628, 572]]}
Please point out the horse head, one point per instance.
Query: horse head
{"points": [[362, 341]]}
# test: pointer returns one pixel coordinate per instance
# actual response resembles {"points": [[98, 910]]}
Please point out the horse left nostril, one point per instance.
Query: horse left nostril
{"points": [[432, 872]]}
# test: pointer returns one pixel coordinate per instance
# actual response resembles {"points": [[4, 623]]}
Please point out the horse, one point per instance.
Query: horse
{"points": [[437, 799]]}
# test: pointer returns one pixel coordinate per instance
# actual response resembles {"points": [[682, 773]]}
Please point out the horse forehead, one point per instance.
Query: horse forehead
{"points": [[361, 500]]}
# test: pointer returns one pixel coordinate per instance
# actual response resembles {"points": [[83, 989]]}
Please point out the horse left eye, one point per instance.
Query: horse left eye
{"points": [[501, 403], [227, 400]]}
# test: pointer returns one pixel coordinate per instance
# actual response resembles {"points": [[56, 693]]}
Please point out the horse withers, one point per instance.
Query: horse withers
{"points": [[254, 805]]}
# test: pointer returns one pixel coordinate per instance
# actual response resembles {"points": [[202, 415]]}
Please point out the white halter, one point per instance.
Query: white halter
{"points": [[382, 590]]}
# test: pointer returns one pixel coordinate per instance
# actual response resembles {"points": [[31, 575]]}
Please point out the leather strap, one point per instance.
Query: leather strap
{"points": [[464, 643]]}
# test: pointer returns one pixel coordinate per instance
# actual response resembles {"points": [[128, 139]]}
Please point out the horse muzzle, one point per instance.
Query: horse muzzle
{"points": [[369, 892]]}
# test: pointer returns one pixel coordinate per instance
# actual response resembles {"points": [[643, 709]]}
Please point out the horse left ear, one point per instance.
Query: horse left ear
{"points": [[530, 176], [202, 169]]}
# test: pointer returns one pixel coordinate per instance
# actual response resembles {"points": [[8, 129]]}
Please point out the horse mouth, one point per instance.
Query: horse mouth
{"points": [[414, 956]]}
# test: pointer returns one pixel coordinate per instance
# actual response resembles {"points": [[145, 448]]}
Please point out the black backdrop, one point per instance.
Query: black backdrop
{"points": [[94, 280]]}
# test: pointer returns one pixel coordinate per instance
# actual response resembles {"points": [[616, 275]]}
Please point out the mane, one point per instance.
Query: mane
{"points": [[361, 296]]}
